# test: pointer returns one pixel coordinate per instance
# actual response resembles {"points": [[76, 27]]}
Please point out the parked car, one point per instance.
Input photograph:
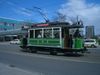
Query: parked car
{"points": [[15, 41], [90, 43]]}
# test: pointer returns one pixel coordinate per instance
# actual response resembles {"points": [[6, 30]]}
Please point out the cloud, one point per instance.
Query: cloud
{"points": [[22, 12], [10, 3], [19, 9], [88, 12]]}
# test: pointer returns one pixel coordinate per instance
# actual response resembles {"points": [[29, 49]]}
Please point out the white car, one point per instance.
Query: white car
{"points": [[90, 43], [15, 41]]}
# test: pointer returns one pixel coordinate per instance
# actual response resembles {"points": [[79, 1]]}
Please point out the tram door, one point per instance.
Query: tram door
{"points": [[66, 36]]}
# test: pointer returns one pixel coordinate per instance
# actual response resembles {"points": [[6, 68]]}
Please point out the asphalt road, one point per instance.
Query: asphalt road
{"points": [[45, 64]]}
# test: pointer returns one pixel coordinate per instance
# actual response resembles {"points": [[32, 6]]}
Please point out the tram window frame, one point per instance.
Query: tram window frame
{"points": [[57, 31], [38, 33], [31, 35]]}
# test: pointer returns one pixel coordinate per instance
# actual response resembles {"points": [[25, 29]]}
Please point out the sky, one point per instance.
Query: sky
{"points": [[86, 10]]}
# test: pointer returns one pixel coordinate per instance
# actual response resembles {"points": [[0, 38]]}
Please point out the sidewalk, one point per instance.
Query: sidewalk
{"points": [[7, 70], [4, 43]]}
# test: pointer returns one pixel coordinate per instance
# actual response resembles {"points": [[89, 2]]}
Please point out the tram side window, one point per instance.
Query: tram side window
{"points": [[62, 32], [38, 33], [47, 33], [56, 33], [31, 34]]}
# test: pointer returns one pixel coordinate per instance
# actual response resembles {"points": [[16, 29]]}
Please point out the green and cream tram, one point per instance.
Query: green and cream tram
{"points": [[54, 38]]}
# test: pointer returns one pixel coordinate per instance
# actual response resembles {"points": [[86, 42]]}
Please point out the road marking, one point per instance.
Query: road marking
{"points": [[53, 57]]}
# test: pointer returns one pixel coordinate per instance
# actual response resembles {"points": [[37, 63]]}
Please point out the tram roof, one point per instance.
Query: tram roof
{"points": [[57, 24]]}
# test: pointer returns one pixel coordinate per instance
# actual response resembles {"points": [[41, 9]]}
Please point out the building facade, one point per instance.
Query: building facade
{"points": [[9, 24], [90, 33], [10, 29]]}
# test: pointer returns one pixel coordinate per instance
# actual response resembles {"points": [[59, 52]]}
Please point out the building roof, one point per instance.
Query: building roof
{"points": [[9, 20]]}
